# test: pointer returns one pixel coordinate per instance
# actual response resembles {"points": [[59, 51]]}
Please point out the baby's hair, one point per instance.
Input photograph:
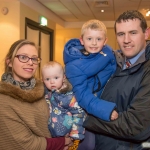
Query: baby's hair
{"points": [[93, 24], [52, 64]]}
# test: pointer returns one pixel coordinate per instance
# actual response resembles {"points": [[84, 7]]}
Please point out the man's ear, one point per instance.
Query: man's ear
{"points": [[147, 33], [9, 63], [81, 40]]}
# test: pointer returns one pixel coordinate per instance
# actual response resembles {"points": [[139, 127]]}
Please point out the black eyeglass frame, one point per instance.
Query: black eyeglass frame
{"points": [[38, 59]]}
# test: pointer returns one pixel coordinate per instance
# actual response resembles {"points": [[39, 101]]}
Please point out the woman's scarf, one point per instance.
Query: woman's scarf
{"points": [[7, 77]]}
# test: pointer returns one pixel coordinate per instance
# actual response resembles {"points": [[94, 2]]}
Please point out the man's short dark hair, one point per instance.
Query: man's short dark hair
{"points": [[132, 14]]}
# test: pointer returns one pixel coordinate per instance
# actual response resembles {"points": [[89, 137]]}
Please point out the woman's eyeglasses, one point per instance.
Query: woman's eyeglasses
{"points": [[24, 59]]}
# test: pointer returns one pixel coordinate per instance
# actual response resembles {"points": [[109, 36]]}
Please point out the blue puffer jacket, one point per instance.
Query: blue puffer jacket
{"points": [[88, 75]]}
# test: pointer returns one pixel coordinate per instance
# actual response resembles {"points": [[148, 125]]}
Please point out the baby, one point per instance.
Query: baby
{"points": [[66, 117]]}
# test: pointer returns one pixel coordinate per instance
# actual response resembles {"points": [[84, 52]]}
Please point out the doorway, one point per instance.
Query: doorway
{"points": [[43, 37]]}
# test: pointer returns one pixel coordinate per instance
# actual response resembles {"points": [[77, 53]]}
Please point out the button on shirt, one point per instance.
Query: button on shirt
{"points": [[134, 59]]}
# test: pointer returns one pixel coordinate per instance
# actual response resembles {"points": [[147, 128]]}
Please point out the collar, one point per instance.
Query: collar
{"points": [[22, 95], [134, 59]]}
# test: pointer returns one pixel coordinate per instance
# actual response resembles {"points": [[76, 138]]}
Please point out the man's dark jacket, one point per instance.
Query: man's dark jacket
{"points": [[130, 90]]}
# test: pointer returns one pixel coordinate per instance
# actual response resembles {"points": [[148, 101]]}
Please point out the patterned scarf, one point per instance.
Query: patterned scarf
{"points": [[7, 77]]}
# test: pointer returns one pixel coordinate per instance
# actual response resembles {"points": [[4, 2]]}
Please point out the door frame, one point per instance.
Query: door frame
{"points": [[36, 26]]}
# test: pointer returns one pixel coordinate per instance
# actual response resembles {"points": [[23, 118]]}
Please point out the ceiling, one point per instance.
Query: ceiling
{"points": [[83, 10]]}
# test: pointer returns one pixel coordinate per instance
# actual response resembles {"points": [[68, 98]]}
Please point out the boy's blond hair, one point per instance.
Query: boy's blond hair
{"points": [[93, 24], [52, 64]]}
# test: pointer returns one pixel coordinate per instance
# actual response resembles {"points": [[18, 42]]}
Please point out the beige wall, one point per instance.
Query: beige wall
{"points": [[63, 35], [9, 28], [12, 26], [27, 12], [112, 38]]}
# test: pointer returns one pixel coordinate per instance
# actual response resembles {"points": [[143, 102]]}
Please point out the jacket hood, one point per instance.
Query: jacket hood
{"points": [[142, 59], [16, 92], [72, 50], [67, 87], [120, 57]]}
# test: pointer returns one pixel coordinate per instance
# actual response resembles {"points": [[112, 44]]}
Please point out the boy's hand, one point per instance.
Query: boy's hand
{"points": [[114, 115]]}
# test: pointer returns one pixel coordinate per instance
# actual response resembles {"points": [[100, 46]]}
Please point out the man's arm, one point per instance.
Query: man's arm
{"points": [[134, 123]]}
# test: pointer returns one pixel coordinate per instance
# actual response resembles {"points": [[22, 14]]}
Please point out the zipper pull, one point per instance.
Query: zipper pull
{"points": [[101, 52]]}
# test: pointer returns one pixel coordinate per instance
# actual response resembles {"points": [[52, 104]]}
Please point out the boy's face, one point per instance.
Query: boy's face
{"points": [[93, 40], [53, 77]]}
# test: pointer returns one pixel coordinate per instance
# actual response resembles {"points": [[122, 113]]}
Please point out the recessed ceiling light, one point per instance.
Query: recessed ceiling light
{"points": [[148, 13], [102, 10]]}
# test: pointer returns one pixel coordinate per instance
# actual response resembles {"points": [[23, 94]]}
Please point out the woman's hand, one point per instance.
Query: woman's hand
{"points": [[68, 142]]}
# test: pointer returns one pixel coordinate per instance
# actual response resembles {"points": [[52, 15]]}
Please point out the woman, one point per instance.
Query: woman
{"points": [[23, 110]]}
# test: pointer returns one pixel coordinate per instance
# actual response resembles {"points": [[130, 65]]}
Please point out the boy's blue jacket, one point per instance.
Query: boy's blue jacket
{"points": [[88, 75]]}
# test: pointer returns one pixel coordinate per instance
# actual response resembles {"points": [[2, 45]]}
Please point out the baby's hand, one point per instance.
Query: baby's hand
{"points": [[114, 115]]}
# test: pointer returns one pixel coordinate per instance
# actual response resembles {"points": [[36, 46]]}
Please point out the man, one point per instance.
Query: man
{"points": [[129, 88]]}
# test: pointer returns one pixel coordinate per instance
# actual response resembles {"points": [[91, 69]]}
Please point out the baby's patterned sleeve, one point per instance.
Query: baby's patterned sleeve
{"points": [[78, 117], [48, 96]]}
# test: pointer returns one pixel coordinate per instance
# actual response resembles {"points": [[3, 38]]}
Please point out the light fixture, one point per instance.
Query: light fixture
{"points": [[148, 13], [43, 21], [102, 10]]}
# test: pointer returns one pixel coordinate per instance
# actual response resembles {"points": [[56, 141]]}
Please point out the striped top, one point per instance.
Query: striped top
{"points": [[23, 118]]}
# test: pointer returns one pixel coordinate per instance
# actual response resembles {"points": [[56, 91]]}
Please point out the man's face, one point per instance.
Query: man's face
{"points": [[130, 37]]}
